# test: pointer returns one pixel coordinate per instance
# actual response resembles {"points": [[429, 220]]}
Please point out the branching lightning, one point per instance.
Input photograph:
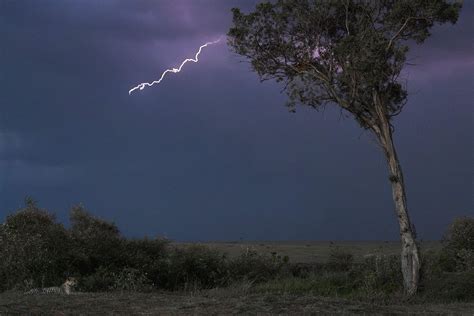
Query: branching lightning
{"points": [[142, 86]]}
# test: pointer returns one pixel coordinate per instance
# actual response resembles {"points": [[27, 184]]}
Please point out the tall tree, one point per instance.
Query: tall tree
{"points": [[349, 53]]}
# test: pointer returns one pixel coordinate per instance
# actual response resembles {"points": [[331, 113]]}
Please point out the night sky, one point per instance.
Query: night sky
{"points": [[211, 153]]}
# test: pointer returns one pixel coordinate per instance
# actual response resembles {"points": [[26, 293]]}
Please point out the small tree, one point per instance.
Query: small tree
{"points": [[350, 53], [458, 245], [96, 242], [34, 247]]}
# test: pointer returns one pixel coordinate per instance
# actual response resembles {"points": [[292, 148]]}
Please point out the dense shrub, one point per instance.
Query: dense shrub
{"points": [[449, 286], [102, 279], [430, 268], [325, 283], [257, 267], [340, 260], [460, 234], [303, 270], [458, 246], [96, 243], [126, 279], [194, 266], [150, 257], [132, 280], [34, 249], [379, 275]]}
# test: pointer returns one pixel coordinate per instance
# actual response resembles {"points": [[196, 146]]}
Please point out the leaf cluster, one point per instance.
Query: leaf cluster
{"points": [[341, 52]]}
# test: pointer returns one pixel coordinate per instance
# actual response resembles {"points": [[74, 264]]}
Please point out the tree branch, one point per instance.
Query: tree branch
{"points": [[401, 30]]}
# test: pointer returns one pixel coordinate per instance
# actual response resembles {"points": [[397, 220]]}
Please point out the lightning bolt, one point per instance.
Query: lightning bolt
{"points": [[142, 86]]}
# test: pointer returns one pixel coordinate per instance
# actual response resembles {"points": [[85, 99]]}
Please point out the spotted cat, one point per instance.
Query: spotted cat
{"points": [[66, 288]]}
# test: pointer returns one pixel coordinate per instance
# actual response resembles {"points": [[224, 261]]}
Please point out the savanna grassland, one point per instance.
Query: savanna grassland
{"points": [[149, 276], [242, 297]]}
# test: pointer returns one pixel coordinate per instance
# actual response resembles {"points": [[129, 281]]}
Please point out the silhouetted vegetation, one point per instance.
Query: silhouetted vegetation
{"points": [[458, 252], [34, 249], [37, 251]]}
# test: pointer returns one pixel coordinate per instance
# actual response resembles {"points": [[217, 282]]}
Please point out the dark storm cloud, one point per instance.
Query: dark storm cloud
{"points": [[211, 153], [446, 54], [134, 21]]}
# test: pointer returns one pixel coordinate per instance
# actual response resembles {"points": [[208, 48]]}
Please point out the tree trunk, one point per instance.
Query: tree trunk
{"points": [[410, 255]]}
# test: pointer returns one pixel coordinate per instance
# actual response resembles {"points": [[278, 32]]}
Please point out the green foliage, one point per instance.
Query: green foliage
{"points": [[323, 284], [380, 275], [131, 280], [430, 267], [448, 275], [37, 251], [303, 270], [34, 248], [125, 279], [195, 265], [449, 286], [346, 52], [150, 257], [101, 280], [256, 267], [339, 259], [376, 277], [95, 242], [458, 246], [460, 234]]}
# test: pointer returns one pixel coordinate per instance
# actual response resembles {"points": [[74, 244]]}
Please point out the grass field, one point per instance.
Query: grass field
{"points": [[240, 298]]}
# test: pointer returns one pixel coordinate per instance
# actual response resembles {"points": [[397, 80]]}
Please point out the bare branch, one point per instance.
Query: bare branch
{"points": [[394, 37], [347, 16]]}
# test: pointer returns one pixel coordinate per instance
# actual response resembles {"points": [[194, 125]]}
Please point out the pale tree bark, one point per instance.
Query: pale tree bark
{"points": [[410, 257]]}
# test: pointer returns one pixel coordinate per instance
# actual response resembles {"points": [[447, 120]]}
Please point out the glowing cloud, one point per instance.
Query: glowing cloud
{"points": [[142, 86]]}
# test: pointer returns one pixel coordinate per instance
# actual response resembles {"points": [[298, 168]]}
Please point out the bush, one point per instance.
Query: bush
{"points": [[150, 257], [34, 249], [96, 243], [303, 270], [195, 266], [458, 246], [460, 234], [130, 279], [340, 260], [325, 283], [256, 267], [430, 268], [379, 275], [449, 286], [100, 280]]}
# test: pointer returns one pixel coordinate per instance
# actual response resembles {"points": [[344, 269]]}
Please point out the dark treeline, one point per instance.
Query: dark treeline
{"points": [[38, 251]]}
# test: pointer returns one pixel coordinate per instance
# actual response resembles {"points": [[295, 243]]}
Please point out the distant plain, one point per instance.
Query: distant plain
{"points": [[311, 251]]}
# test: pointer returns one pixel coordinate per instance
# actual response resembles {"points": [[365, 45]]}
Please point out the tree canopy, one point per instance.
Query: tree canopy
{"points": [[337, 51]]}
